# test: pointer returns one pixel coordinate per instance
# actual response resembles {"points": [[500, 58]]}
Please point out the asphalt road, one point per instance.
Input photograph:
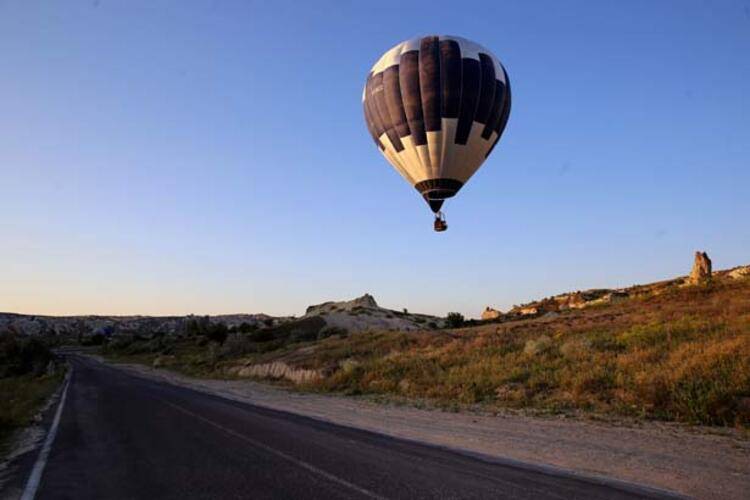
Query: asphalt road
{"points": [[122, 436]]}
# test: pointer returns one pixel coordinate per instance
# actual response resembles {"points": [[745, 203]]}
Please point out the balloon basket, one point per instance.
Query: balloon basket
{"points": [[440, 224]]}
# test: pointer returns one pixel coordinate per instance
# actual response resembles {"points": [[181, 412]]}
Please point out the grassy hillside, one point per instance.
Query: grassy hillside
{"points": [[683, 355], [674, 353]]}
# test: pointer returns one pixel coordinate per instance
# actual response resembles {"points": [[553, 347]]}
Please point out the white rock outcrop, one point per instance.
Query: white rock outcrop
{"points": [[739, 272], [364, 313], [276, 370], [491, 313]]}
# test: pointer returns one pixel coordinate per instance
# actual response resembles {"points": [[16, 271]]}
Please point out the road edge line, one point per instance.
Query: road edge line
{"points": [[35, 478]]}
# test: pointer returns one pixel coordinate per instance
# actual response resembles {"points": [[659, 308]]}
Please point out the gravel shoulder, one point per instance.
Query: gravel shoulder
{"points": [[692, 461]]}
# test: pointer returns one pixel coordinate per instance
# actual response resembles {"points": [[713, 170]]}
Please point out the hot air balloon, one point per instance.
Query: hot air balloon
{"points": [[436, 106]]}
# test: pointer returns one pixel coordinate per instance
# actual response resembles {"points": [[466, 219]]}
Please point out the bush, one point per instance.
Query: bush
{"points": [[21, 356], [455, 320], [302, 335], [238, 345], [261, 335], [330, 331], [93, 340], [246, 327], [217, 332], [300, 330], [576, 349], [202, 326], [196, 326], [119, 343], [537, 346]]}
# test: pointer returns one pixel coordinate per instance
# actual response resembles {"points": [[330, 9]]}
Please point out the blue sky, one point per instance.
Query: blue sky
{"points": [[211, 157]]}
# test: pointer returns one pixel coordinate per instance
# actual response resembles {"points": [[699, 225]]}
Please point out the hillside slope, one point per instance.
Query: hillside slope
{"points": [[670, 352]]}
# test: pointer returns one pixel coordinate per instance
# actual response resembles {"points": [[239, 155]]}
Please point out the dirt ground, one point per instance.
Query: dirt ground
{"points": [[699, 462]]}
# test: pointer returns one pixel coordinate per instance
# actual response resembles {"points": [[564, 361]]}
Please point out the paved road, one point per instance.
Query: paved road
{"points": [[121, 436]]}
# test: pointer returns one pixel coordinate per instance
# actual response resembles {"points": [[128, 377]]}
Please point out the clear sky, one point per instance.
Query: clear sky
{"points": [[163, 157]]}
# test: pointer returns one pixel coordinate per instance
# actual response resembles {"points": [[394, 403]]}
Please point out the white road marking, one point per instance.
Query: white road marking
{"points": [[278, 453], [32, 485]]}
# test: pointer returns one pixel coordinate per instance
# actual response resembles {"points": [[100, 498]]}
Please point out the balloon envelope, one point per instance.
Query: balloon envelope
{"points": [[436, 106]]}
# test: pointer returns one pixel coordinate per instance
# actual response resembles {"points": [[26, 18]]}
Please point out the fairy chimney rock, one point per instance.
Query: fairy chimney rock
{"points": [[701, 271]]}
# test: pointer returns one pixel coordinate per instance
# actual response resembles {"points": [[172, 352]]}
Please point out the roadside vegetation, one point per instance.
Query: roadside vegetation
{"points": [[204, 349], [677, 354], [28, 377]]}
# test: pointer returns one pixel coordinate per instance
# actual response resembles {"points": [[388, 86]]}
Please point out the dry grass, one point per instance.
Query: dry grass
{"points": [[681, 355], [22, 397]]}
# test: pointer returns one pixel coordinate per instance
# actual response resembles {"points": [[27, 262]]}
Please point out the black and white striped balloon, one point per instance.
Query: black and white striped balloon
{"points": [[436, 106]]}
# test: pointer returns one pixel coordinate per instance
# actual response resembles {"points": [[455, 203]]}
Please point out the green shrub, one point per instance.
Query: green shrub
{"points": [[238, 345], [21, 356], [217, 332], [263, 335], [455, 320], [537, 346], [330, 331], [246, 327]]}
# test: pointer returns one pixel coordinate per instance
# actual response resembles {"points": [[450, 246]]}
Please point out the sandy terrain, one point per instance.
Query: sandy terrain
{"points": [[694, 462]]}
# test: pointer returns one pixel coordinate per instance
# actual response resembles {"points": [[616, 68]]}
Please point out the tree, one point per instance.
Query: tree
{"points": [[194, 326], [246, 327], [217, 332], [455, 320]]}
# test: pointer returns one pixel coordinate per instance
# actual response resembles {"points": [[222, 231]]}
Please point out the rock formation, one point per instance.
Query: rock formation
{"points": [[739, 272], [490, 313], [366, 301], [701, 272], [527, 310], [364, 313]]}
